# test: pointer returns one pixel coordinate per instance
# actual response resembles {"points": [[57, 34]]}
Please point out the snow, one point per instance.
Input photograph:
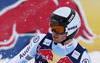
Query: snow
{"points": [[95, 57]]}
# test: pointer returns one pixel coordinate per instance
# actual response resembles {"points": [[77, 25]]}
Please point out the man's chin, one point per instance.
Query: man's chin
{"points": [[56, 41]]}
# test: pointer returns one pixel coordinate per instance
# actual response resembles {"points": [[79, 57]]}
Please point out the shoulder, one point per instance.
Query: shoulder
{"points": [[34, 42], [38, 37], [85, 58], [80, 53]]}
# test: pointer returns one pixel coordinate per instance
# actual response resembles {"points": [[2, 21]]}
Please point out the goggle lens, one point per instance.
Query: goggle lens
{"points": [[57, 28]]}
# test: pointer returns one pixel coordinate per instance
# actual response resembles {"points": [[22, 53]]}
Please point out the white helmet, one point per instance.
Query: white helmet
{"points": [[67, 17]]}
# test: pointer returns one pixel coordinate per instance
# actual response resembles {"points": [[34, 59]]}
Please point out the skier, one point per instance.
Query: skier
{"points": [[59, 46]]}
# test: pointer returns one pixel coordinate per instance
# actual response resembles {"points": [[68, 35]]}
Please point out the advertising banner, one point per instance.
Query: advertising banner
{"points": [[20, 19]]}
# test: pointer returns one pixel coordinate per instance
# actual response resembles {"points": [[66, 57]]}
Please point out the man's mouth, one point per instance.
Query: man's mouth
{"points": [[55, 37]]}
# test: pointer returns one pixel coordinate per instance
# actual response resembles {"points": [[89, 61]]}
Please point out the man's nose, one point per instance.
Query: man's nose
{"points": [[54, 32]]}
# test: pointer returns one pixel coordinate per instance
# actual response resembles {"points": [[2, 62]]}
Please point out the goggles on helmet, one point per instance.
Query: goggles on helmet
{"points": [[57, 28]]}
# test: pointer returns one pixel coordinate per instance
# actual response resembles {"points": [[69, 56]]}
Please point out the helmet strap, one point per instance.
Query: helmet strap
{"points": [[69, 37], [64, 41], [55, 43]]}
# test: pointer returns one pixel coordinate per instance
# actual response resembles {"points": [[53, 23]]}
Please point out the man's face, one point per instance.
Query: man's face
{"points": [[58, 38]]}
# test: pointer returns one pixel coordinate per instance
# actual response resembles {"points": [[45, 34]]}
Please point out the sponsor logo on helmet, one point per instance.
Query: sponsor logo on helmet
{"points": [[70, 19], [54, 20]]}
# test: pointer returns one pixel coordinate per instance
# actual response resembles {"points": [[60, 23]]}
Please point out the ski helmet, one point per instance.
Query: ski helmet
{"points": [[67, 17]]}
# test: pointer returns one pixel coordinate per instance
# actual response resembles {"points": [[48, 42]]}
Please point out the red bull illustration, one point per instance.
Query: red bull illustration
{"points": [[20, 19], [52, 57], [12, 46], [84, 31], [9, 43]]}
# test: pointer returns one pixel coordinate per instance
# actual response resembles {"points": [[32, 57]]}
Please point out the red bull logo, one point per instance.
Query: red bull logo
{"points": [[65, 59], [32, 16], [11, 6], [52, 57], [47, 54]]}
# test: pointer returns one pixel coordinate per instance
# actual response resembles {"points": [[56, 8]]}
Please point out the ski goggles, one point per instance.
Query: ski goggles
{"points": [[57, 28]]}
